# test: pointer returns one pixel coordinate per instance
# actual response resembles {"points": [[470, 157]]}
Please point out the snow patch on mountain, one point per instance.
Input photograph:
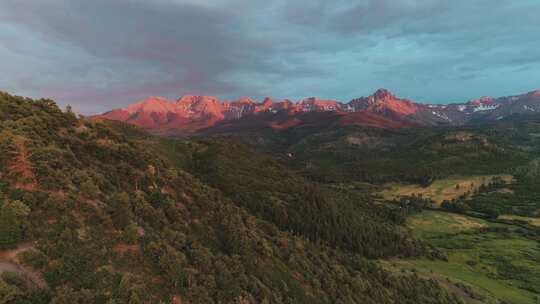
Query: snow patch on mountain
{"points": [[484, 107], [441, 115]]}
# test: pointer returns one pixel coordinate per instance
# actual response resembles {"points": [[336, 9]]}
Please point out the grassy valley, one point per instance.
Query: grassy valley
{"points": [[448, 189], [489, 262], [472, 193]]}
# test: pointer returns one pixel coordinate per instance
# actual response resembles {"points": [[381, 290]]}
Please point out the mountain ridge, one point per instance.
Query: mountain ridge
{"points": [[191, 114]]}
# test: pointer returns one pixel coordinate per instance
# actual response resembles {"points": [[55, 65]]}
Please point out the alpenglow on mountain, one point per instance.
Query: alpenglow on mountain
{"points": [[207, 114]]}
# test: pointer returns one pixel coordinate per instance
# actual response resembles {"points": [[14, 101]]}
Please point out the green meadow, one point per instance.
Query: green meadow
{"points": [[487, 262], [444, 189]]}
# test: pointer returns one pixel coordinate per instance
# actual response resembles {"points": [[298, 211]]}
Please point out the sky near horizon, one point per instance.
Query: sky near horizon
{"points": [[103, 54]]}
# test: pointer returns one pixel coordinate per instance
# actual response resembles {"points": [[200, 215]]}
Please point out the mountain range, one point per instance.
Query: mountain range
{"points": [[207, 115]]}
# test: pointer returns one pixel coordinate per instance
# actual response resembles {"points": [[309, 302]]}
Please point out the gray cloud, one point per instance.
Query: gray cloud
{"points": [[106, 53]]}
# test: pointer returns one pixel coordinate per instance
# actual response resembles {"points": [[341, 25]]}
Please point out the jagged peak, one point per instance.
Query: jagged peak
{"points": [[535, 93], [378, 96], [482, 100], [316, 100], [190, 99], [268, 100], [284, 104], [383, 94], [245, 100], [383, 100], [151, 104], [152, 99]]}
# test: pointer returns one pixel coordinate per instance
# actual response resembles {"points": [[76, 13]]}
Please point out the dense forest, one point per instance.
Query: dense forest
{"points": [[101, 212], [337, 216], [415, 155]]}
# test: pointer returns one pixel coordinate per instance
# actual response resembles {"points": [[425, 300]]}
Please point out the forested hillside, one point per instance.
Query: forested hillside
{"points": [[416, 155], [104, 213], [336, 216]]}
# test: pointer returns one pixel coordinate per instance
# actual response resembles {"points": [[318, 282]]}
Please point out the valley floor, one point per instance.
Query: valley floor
{"points": [[487, 262], [445, 189]]}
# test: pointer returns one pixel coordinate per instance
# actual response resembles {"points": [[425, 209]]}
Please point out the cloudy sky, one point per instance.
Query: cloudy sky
{"points": [[101, 54]]}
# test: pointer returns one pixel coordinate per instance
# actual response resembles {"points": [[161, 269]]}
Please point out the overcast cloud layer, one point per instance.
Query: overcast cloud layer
{"points": [[102, 54]]}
